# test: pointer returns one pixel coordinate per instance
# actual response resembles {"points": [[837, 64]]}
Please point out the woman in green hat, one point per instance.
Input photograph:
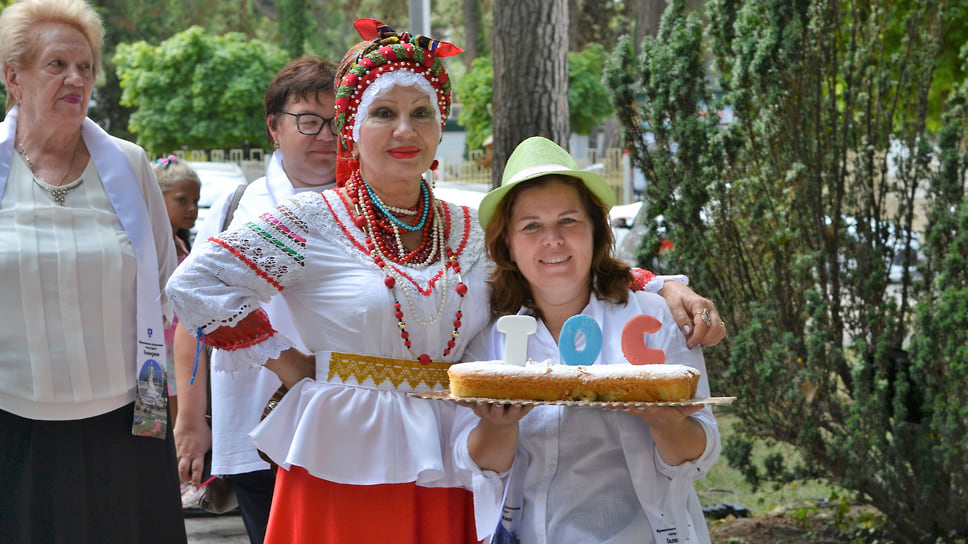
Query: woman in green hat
{"points": [[584, 473]]}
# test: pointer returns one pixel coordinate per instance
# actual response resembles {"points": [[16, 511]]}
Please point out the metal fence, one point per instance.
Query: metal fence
{"points": [[252, 161], [611, 165]]}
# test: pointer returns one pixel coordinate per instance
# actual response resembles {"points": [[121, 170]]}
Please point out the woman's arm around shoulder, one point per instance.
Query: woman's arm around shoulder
{"points": [[696, 316]]}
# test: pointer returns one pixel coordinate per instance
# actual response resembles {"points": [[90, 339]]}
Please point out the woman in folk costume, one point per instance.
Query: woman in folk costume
{"points": [[386, 285], [377, 275], [301, 123]]}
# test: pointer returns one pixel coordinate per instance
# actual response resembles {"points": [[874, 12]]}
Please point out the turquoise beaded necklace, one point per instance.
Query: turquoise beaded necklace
{"points": [[375, 199]]}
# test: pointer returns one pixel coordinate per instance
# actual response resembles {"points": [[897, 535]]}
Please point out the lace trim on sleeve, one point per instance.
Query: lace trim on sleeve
{"points": [[254, 356], [250, 330]]}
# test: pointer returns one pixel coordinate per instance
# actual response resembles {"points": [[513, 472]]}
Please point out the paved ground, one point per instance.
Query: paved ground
{"points": [[223, 529]]}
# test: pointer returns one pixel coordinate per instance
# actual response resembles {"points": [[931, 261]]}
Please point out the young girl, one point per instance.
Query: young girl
{"points": [[181, 188]]}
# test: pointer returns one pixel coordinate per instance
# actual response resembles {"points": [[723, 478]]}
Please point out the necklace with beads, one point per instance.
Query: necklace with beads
{"points": [[435, 227], [392, 213], [57, 192], [386, 229]]}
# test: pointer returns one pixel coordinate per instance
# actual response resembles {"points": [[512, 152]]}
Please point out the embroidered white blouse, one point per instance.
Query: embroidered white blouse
{"points": [[239, 397], [352, 434]]}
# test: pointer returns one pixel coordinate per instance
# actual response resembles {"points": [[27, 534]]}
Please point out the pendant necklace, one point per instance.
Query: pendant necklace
{"points": [[58, 193]]}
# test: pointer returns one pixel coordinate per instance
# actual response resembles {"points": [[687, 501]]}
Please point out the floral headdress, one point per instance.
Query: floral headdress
{"points": [[388, 52]]}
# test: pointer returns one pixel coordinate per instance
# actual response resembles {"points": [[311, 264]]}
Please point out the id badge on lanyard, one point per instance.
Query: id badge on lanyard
{"points": [[667, 531]]}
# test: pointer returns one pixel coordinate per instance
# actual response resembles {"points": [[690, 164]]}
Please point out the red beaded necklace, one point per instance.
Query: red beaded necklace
{"points": [[433, 247]]}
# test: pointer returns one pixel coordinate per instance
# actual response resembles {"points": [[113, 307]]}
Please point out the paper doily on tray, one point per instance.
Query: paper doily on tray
{"points": [[445, 395]]}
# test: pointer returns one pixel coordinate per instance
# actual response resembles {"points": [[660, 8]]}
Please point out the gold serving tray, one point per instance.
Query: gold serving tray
{"points": [[445, 395]]}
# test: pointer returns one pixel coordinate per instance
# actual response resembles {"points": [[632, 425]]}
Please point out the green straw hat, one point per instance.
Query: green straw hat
{"points": [[536, 157]]}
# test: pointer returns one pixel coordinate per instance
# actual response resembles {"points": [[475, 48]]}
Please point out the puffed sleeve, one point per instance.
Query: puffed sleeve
{"points": [[218, 290]]}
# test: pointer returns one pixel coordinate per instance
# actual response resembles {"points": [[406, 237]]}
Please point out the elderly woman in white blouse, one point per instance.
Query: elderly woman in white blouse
{"points": [[85, 249]]}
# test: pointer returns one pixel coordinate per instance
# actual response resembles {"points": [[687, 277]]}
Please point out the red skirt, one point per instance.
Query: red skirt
{"points": [[308, 510]]}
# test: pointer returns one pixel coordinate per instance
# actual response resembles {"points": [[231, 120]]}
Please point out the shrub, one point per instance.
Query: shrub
{"points": [[795, 211]]}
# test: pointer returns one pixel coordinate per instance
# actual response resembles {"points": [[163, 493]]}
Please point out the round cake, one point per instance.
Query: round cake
{"points": [[550, 382]]}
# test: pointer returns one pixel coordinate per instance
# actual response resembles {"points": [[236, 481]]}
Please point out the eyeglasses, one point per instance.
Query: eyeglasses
{"points": [[311, 124]]}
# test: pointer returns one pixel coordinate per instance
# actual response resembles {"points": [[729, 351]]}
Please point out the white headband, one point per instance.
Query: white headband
{"points": [[383, 84]]}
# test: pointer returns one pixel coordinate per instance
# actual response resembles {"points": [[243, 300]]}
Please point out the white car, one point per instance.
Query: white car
{"points": [[461, 193], [217, 178], [627, 230], [622, 218]]}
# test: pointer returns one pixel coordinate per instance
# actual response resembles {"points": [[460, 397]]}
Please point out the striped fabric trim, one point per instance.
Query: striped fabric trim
{"points": [[281, 244]]}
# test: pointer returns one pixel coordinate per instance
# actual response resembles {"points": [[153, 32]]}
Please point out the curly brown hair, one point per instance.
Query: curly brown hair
{"points": [[509, 288]]}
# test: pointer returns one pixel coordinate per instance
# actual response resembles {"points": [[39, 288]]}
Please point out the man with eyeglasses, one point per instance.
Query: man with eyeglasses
{"points": [[300, 112]]}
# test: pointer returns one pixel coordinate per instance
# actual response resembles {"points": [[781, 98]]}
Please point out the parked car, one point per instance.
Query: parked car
{"points": [[217, 178], [461, 193], [629, 225], [622, 219]]}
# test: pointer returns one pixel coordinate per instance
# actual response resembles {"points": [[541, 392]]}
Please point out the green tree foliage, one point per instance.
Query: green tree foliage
{"points": [[588, 101], [294, 26], [601, 21], [791, 217], [950, 68], [328, 24], [197, 90], [134, 20], [474, 92]]}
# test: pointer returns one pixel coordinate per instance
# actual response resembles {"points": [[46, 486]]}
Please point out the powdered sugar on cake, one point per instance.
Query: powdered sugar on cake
{"points": [[545, 381], [533, 368]]}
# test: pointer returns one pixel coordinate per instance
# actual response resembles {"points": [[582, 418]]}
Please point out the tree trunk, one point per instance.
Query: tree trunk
{"points": [[648, 13], [472, 29], [573, 27], [530, 75], [269, 8]]}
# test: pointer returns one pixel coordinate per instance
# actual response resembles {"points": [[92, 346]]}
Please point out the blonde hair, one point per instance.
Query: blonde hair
{"points": [[172, 172], [18, 44]]}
